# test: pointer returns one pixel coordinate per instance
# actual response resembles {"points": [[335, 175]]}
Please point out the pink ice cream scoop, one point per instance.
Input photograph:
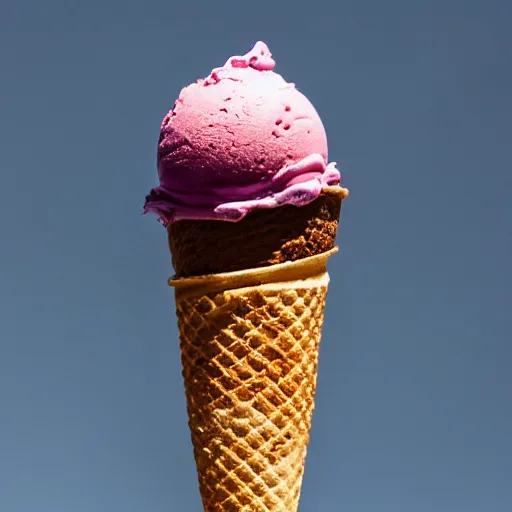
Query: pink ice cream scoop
{"points": [[240, 139]]}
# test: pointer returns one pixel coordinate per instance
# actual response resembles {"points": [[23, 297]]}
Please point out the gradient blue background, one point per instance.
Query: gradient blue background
{"points": [[414, 396]]}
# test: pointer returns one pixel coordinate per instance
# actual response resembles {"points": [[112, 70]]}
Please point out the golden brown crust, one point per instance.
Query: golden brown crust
{"points": [[250, 360], [262, 238]]}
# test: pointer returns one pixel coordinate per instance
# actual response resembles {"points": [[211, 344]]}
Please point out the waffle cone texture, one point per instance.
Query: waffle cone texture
{"points": [[249, 345]]}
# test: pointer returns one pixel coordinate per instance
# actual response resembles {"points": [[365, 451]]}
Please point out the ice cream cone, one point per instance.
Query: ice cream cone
{"points": [[249, 344], [251, 204]]}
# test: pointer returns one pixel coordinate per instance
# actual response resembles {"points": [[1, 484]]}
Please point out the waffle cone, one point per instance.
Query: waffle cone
{"points": [[249, 344]]}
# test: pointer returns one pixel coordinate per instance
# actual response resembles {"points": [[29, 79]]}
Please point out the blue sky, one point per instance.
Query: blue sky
{"points": [[413, 403]]}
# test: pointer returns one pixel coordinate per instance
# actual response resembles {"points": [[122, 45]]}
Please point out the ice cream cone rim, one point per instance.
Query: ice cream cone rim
{"points": [[337, 190], [288, 271]]}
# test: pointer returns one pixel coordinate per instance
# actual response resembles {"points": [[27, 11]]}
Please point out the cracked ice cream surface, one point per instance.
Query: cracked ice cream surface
{"points": [[240, 139]]}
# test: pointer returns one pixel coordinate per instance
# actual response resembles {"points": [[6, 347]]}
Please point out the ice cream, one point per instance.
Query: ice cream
{"points": [[239, 140], [244, 146]]}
